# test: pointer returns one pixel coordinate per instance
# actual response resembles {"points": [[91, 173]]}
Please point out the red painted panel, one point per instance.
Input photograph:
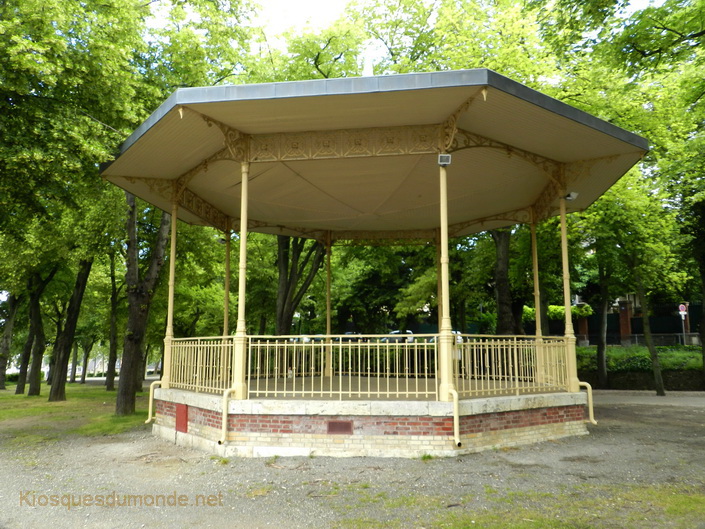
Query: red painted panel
{"points": [[182, 418]]}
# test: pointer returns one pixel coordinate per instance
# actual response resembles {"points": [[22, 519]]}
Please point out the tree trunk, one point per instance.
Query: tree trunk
{"points": [[139, 299], [702, 315], [602, 376], [141, 370], [24, 363], [648, 338], [112, 353], [13, 303], [460, 316], [36, 288], [503, 294], [518, 315], [74, 363], [297, 269], [86, 355], [39, 346], [60, 316], [132, 352], [62, 348]]}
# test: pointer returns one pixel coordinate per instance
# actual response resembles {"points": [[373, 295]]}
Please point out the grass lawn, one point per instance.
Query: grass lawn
{"points": [[88, 411]]}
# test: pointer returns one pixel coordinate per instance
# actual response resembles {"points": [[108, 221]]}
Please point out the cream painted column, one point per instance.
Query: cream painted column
{"points": [[537, 287], [239, 385], [445, 339], [169, 335], [226, 351], [540, 373], [226, 300], [571, 361], [439, 286], [328, 368]]}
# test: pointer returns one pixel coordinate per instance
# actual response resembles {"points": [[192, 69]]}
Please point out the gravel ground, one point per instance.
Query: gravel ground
{"points": [[641, 440]]}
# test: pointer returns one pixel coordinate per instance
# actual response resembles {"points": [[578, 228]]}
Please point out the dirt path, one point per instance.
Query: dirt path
{"points": [[643, 454]]}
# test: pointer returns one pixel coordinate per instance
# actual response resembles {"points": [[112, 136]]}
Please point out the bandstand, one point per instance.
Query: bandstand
{"points": [[426, 156]]}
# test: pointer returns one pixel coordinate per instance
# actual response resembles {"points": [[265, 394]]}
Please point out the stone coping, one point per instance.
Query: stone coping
{"points": [[475, 406]]}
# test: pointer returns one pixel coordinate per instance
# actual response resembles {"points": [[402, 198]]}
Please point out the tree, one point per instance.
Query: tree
{"points": [[609, 275], [115, 289], [36, 343], [660, 48], [200, 42], [402, 33], [646, 237], [297, 262], [262, 283], [333, 52], [68, 90], [61, 85], [505, 316], [9, 315], [141, 284]]}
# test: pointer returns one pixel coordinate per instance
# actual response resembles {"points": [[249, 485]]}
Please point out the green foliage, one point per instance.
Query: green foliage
{"points": [[68, 88], [637, 358], [333, 52], [557, 312], [404, 30]]}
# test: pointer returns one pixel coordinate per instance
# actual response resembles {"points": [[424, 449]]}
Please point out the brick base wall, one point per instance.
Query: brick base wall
{"points": [[265, 434]]}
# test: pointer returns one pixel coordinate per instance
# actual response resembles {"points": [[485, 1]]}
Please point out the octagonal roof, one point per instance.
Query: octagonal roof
{"points": [[358, 157]]}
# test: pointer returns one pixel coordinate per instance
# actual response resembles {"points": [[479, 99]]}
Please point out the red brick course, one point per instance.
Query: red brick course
{"points": [[377, 425], [163, 407]]}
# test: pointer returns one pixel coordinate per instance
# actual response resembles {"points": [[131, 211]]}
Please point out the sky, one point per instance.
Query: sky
{"points": [[281, 15]]}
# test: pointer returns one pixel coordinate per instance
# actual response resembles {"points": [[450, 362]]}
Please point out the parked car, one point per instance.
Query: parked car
{"points": [[355, 337], [458, 337], [399, 337]]}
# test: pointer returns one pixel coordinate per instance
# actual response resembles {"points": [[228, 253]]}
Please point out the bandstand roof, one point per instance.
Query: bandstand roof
{"points": [[358, 157]]}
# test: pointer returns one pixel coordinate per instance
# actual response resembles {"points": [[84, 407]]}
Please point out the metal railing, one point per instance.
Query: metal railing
{"points": [[509, 365], [372, 366], [202, 364], [343, 366]]}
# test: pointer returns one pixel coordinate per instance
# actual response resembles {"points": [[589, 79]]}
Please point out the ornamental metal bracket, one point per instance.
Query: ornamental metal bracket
{"points": [[236, 142], [554, 189], [449, 128]]}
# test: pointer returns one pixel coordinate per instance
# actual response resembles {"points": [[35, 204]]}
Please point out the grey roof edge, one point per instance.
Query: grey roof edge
{"points": [[556, 106], [375, 84]]}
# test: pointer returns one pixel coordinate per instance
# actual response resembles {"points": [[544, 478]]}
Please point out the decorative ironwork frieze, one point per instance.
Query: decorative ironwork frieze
{"points": [[344, 143], [204, 210], [161, 187]]}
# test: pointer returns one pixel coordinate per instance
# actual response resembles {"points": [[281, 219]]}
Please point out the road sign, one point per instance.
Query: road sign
{"points": [[682, 308]]}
